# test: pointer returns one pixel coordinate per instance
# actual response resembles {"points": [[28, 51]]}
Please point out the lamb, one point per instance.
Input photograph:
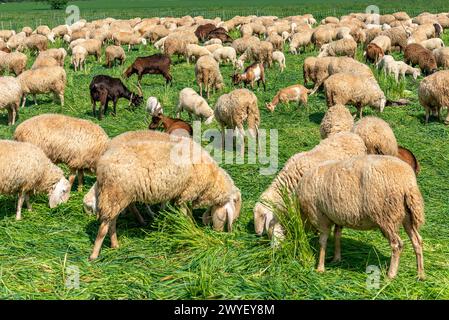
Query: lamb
{"points": [[43, 61], [43, 80], [432, 44], [416, 54], [10, 96], [297, 93], [35, 175], [79, 56], [373, 53], [75, 142], [342, 47], [338, 146], [337, 119], [207, 73], [160, 44], [13, 62], [377, 135], [153, 105], [397, 68], [193, 103], [433, 94], [279, 57], [233, 109], [343, 187], [355, 89], [442, 57], [227, 54], [196, 51], [199, 182], [114, 53]]}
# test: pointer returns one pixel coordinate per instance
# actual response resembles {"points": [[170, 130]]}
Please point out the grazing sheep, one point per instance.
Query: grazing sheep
{"points": [[43, 80], [338, 146], [353, 192], [59, 54], [406, 155], [27, 30], [276, 40], [16, 41], [153, 106], [432, 44], [227, 54], [195, 51], [337, 119], [44, 61], [114, 53], [382, 42], [93, 47], [10, 96], [300, 40], [373, 53], [308, 69], [35, 175], [433, 94], [128, 38], [233, 109], [75, 142], [154, 64], [35, 42], [416, 54], [156, 178], [296, 92], [390, 66], [398, 37], [442, 57], [207, 73], [6, 34], [355, 89], [213, 47], [279, 57], [160, 44], [377, 135], [13, 62], [193, 103], [242, 44], [343, 47], [322, 35], [79, 56]]}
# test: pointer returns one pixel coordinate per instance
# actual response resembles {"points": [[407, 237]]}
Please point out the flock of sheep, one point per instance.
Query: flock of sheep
{"points": [[356, 177]]}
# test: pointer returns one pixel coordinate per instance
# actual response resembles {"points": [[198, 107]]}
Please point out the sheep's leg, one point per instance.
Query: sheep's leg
{"points": [[240, 132], [416, 240], [114, 105], [428, 115], [102, 231], [186, 210], [396, 248], [94, 107], [61, 98], [35, 100], [137, 214], [201, 89], [337, 246], [113, 233], [72, 177], [19, 205], [10, 116], [80, 180], [323, 243], [27, 202], [24, 100]]}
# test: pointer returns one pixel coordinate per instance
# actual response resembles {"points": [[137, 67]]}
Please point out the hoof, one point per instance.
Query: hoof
{"points": [[320, 269]]}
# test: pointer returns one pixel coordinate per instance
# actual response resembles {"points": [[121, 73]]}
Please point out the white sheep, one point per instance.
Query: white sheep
{"points": [[10, 96], [195, 104], [195, 51], [279, 57], [227, 54], [153, 106], [207, 73], [36, 174], [79, 56], [433, 43]]}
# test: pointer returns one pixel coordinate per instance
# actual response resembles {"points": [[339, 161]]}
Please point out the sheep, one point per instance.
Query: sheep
{"points": [[433, 94], [322, 35], [193, 103], [225, 54], [153, 105], [382, 42], [13, 62], [212, 41], [338, 146], [343, 47], [354, 193], [10, 96], [160, 44], [253, 73], [114, 53], [213, 47], [416, 54], [16, 41], [377, 135], [79, 56], [59, 54], [276, 40], [398, 37], [297, 93], [308, 69], [196, 51], [279, 57], [207, 73], [442, 57], [233, 109], [93, 47], [35, 175], [75, 142], [44, 61], [432, 44], [373, 53], [260, 52], [337, 119], [43, 80], [129, 38], [27, 30], [35, 42], [6, 34], [155, 178], [356, 89], [397, 68], [242, 44]]}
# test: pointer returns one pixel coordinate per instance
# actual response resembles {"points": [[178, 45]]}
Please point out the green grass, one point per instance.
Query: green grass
{"points": [[176, 258]]}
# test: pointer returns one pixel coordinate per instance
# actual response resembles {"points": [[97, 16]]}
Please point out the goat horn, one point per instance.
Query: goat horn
{"points": [[139, 90]]}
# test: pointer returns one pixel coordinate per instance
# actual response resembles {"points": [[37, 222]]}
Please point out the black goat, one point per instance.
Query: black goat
{"points": [[104, 89], [155, 64]]}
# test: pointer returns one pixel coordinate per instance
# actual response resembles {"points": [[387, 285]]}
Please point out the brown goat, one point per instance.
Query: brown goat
{"points": [[203, 31], [416, 54], [253, 73], [373, 53], [171, 125], [155, 64], [406, 155]]}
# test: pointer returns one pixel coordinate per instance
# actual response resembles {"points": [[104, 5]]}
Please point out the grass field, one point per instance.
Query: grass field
{"points": [[174, 258]]}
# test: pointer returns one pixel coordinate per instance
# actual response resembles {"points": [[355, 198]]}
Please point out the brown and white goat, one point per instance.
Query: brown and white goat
{"points": [[171, 125], [295, 92], [253, 73]]}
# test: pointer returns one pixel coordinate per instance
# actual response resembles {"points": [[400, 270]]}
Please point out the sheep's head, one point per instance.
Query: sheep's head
{"points": [[270, 106], [415, 73], [155, 122], [60, 193], [225, 214], [323, 51], [136, 99], [380, 103], [262, 218], [90, 200], [236, 78]]}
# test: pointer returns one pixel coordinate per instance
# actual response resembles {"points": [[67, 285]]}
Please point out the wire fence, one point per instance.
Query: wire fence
{"points": [[17, 20]]}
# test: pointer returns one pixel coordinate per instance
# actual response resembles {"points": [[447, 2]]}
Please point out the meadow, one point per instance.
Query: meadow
{"points": [[176, 258]]}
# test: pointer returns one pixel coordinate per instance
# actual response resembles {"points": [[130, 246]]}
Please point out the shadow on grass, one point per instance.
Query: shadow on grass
{"points": [[316, 117]]}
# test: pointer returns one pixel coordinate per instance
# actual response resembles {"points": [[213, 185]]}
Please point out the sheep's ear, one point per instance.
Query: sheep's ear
{"points": [[230, 213]]}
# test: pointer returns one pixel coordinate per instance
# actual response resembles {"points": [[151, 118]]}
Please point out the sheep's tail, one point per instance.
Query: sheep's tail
{"points": [[415, 207]]}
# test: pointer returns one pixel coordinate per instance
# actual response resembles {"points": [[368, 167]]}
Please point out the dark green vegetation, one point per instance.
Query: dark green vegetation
{"points": [[174, 258]]}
